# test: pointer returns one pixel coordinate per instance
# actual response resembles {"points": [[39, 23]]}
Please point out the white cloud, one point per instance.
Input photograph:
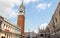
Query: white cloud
{"points": [[29, 1], [34, 0], [43, 26], [49, 5], [36, 31], [6, 7], [43, 5]]}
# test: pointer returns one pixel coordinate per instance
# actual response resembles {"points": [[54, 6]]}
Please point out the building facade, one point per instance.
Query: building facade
{"points": [[8, 30], [53, 28], [30, 35], [54, 25]]}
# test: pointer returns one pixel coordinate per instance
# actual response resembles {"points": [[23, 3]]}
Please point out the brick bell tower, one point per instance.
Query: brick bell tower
{"points": [[21, 18]]}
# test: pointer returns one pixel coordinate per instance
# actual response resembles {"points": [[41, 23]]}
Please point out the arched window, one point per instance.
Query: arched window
{"points": [[0, 23], [56, 19], [2, 37], [41, 35], [59, 13], [4, 26]]}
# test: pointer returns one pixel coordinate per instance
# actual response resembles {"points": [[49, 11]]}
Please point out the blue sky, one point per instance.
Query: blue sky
{"points": [[38, 13], [38, 16]]}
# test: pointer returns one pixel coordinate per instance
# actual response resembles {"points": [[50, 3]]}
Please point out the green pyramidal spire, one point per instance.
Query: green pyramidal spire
{"points": [[22, 3], [22, 8]]}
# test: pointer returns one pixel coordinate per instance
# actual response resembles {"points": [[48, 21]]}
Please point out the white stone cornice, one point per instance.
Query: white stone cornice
{"points": [[21, 14]]}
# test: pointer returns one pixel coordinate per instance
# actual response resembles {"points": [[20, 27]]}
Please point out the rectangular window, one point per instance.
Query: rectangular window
{"points": [[59, 13], [21, 11], [0, 23], [56, 19]]}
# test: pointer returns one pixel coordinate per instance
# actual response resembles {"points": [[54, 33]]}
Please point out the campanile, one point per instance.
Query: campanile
{"points": [[21, 18]]}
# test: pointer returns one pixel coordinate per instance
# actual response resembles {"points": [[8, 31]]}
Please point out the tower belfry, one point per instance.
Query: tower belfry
{"points": [[22, 8], [21, 18]]}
